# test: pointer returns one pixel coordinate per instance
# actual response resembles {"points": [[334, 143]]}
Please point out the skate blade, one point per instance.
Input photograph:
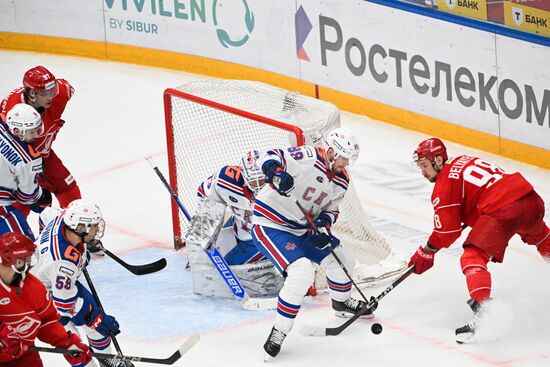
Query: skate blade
{"points": [[464, 338], [267, 358], [347, 315]]}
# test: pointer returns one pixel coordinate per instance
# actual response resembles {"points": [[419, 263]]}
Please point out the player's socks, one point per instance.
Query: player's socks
{"points": [[466, 333], [349, 308], [273, 343]]}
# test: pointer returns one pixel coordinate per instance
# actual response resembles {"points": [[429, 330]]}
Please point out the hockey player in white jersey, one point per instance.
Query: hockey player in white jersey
{"points": [[235, 187], [232, 188], [318, 180], [20, 166], [63, 254]]}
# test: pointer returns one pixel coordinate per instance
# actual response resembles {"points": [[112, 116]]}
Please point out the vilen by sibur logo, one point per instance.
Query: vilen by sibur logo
{"points": [[223, 36], [303, 27], [233, 20]]}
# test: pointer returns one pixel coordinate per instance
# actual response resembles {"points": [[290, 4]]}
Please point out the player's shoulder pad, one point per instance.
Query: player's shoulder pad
{"points": [[35, 285], [19, 151], [230, 179], [65, 88], [342, 179], [231, 174], [67, 252]]}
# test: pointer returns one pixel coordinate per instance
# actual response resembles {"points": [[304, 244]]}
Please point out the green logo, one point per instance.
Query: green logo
{"points": [[236, 40]]}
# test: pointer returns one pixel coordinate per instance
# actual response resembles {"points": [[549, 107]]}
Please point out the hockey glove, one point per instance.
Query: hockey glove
{"points": [[322, 238], [280, 180], [104, 324], [422, 260], [82, 354], [10, 344], [44, 201], [323, 221], [96, 247]]}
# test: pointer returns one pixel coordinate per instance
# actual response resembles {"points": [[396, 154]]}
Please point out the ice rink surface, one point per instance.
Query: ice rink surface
{"points": [[116, 117]]}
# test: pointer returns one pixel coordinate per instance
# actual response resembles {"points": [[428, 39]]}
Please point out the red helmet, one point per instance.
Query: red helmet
{"points": [[13, 246], [39, 79], [429, 149]]}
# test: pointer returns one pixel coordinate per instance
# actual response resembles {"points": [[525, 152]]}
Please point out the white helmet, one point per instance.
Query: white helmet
{"points": [[253, 175], [27, 120], [85, 213], [344, 143]]}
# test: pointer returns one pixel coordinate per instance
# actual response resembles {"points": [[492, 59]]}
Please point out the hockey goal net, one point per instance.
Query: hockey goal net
{"points": [[212, 123]]}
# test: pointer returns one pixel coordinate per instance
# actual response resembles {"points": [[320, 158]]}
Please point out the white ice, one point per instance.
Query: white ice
{"points": [[116, 117]]}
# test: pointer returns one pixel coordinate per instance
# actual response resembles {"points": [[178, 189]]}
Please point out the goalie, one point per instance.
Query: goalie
{"points": [[231, 189]]}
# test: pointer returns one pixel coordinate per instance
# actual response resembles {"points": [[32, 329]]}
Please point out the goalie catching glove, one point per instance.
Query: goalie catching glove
{"points": [[205, 226]]}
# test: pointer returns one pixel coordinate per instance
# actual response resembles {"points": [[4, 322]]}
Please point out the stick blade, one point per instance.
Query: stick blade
{"points": [[309, 330], [149, 268], [189, 343]]}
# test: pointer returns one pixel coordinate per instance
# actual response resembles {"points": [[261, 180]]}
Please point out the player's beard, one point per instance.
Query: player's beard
{"points": [[17, 278]]}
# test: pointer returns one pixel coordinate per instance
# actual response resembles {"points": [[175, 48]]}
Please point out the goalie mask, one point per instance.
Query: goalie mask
{"points": [[344, 143], [253, 175], [26, 120], [81, 216]]}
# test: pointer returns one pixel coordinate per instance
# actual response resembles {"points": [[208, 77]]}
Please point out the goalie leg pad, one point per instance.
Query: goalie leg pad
{"points": [[338, 282], [478, 279], [300, 275]]}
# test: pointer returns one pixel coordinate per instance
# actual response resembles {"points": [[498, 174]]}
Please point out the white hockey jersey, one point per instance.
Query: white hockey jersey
{"points": [[20, 166], [315, 188], [227, 187], [60, 263]]}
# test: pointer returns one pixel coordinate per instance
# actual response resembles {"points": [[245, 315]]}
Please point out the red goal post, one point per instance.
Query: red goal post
{"points": [[170, 95]]}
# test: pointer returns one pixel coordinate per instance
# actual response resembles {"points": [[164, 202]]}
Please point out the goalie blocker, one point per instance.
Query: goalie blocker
{"points": [[260, 279]]}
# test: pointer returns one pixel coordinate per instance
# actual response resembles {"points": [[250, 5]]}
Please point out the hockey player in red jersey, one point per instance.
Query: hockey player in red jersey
{"points": [[48, 96], [470, 192], [27, 311]]}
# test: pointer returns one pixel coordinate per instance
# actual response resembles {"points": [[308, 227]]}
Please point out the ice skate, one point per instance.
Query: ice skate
{"points": [[273, 343], [350, 307], [467, 332]]}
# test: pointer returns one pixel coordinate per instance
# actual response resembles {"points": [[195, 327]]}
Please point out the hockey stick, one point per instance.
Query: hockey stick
{"points": [[189, 343], [96, 298], [321, 331], [217, 259], [316, 229], [138, 269]]}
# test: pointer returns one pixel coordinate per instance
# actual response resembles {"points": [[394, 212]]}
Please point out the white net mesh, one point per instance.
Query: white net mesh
{"points": [[208, 136]]}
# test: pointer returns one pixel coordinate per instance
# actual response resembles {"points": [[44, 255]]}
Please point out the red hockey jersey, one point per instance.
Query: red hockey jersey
{"points": [[51, 116], [466, 188], [30, 313]]}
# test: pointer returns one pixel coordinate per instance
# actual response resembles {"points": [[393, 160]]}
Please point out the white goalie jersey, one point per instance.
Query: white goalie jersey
{"points": [[227, 187], [315, 188]]}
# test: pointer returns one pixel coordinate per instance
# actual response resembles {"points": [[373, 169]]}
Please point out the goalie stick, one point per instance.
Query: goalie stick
{"points": [[189, 343], [321, 331], [138, 269], [217, 259]]}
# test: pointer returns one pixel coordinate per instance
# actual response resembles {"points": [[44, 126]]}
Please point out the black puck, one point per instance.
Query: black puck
{"points": [[376, 328]]}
